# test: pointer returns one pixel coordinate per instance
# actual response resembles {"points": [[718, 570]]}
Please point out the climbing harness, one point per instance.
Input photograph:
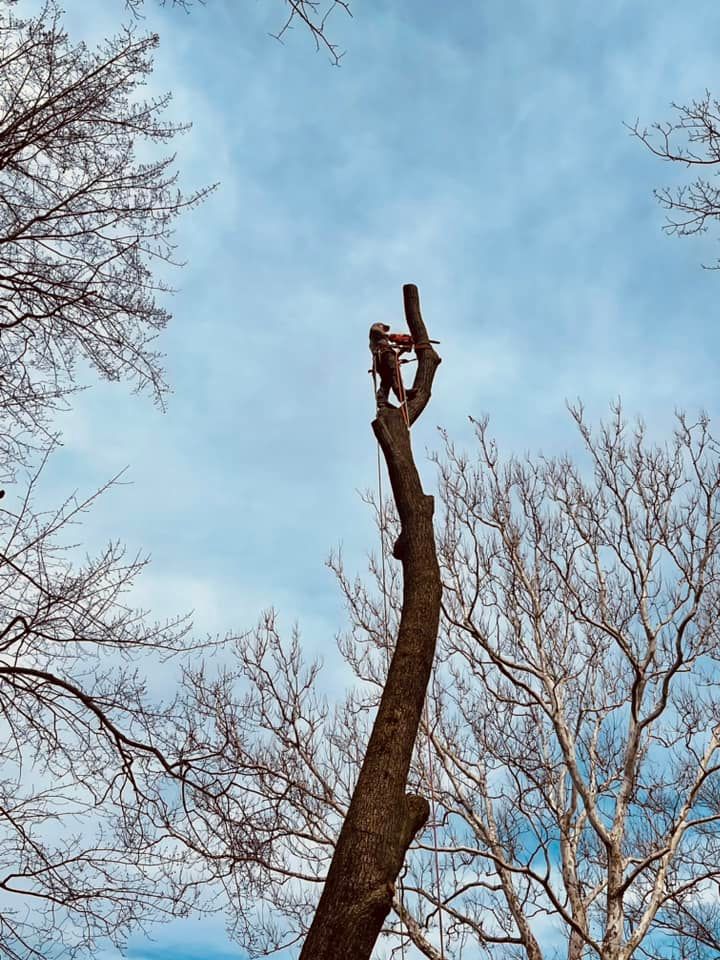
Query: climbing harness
{"points": [[431, 768]]}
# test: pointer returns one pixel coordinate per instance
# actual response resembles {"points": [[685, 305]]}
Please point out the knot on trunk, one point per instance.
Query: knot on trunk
{"points": [[417, 811], [374, 906]]}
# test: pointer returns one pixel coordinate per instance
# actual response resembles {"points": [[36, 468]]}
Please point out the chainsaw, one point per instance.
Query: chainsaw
{"points": [[404, 340]]}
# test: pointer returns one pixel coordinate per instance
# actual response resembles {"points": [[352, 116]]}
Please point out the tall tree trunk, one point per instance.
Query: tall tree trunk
{"points": [[382, 819]]}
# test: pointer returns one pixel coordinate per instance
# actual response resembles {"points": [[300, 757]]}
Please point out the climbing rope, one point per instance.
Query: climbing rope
{"points": [[431, 784], [431, 772], [401, 885], [381, 515]]}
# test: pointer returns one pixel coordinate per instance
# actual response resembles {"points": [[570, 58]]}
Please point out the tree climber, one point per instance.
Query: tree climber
{"points": [[386, 349]]}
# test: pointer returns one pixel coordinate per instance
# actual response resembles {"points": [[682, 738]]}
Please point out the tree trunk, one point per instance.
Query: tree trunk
{"points": [[382, 819]]}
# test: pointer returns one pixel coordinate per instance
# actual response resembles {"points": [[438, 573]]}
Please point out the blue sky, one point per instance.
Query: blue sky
{"points": [[476, 149]]}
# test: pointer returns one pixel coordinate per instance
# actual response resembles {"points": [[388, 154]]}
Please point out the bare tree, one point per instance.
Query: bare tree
{"points": [[587, 607], [115, 807], [691, 139], [328, 811], [381, 819], [309, 14], [575, 712], [99, 778], [83, 221]]}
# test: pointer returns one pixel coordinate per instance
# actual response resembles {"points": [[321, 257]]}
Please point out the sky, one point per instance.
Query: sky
{"points": [[475, 149]]}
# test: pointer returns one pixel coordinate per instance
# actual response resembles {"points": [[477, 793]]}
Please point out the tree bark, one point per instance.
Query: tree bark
{"points": [[382, 819]]}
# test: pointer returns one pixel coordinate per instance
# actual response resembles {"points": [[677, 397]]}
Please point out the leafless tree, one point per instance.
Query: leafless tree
{"points": [[116, 807], [574, 718], [100, 778], [382, 818], [692, 138], [83, 220], [310, 14]]}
